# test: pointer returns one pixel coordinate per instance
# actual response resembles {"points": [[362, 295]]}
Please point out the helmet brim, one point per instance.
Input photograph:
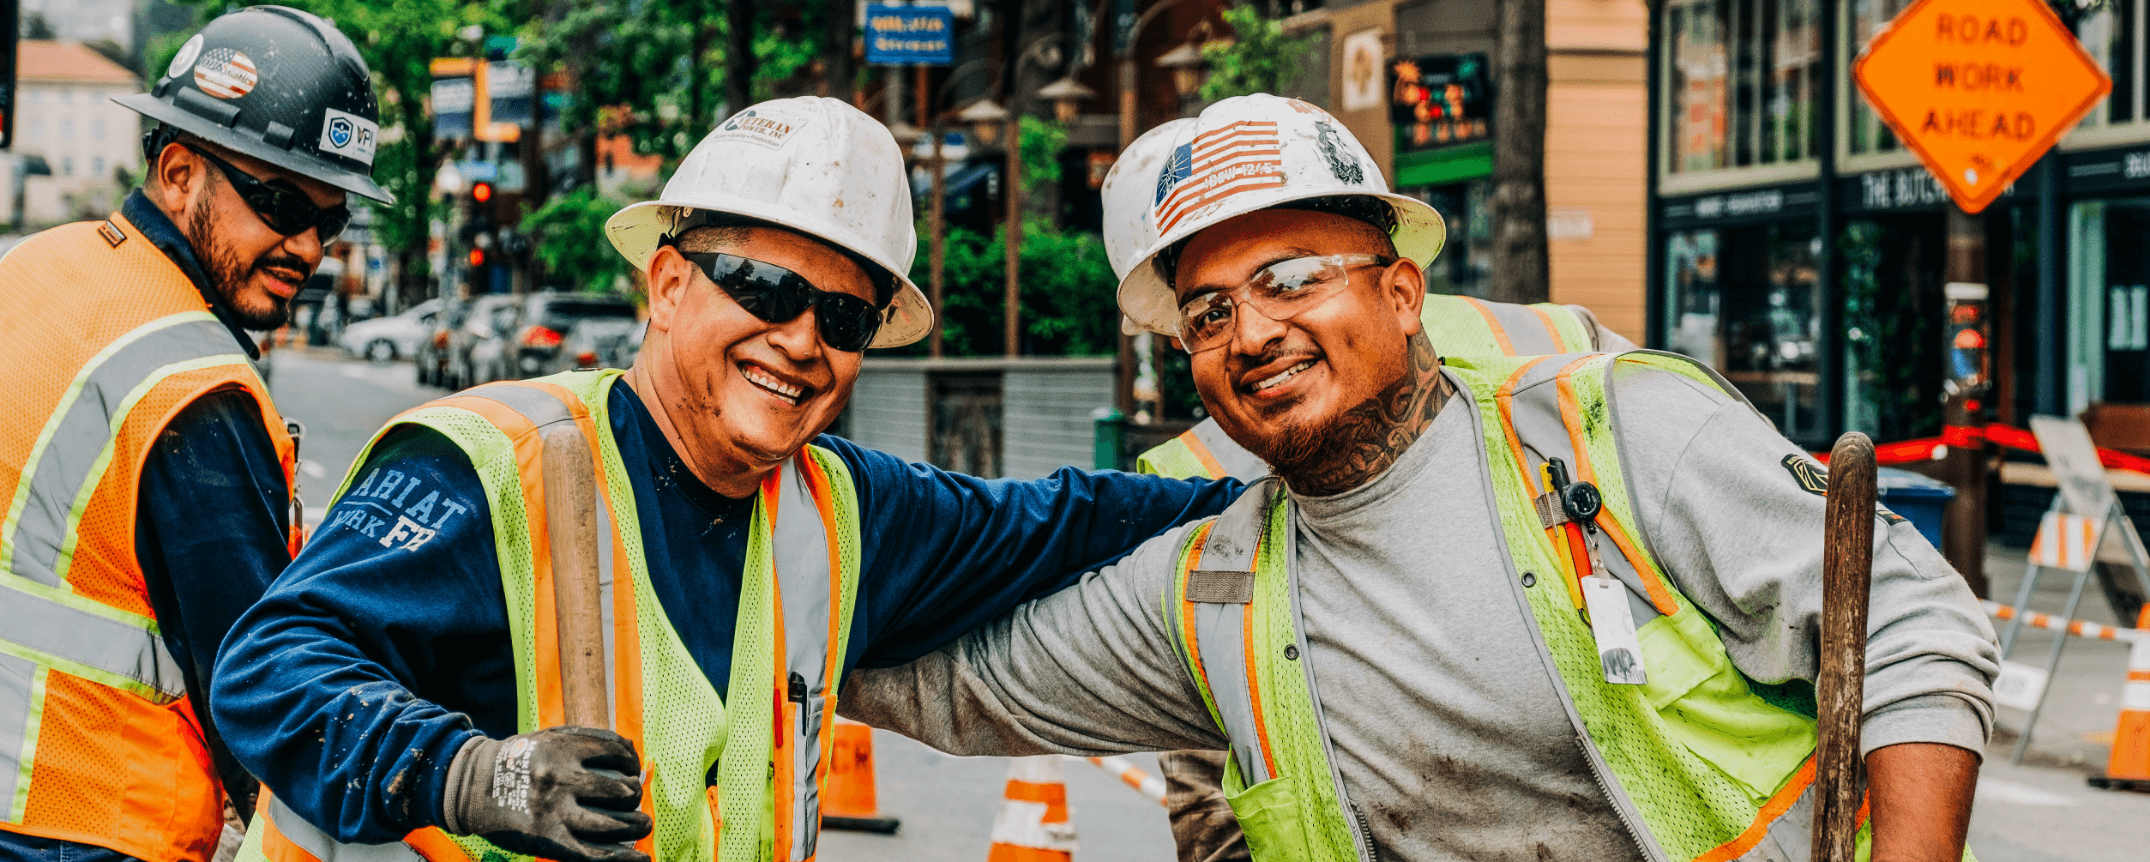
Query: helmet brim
{"points": [[1149, 302], [296, 162], [636, 230]]}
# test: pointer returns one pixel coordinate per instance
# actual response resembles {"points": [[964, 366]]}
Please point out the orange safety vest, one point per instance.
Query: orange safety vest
{"points": [[98, 738]]}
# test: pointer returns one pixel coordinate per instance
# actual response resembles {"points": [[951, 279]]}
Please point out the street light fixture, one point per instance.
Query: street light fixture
{"points": [[905, 134], [986, 117], [1187, 67], [1067, 95]]}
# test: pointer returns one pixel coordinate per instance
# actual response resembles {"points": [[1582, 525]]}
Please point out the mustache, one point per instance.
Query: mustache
{"points": [[294, 263]]}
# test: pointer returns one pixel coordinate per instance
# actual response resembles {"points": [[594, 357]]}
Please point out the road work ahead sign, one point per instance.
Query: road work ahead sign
{"points": [[1979, 88]]}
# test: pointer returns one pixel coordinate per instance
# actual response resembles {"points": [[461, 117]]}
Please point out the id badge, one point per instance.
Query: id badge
{"points": [[1613, 624]]}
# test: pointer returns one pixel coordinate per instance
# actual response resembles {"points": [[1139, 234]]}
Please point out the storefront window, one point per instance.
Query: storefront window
{"points": [[1746, 300], [1466, 261], [2109, 304], [1741, 80], [1890, 280], [1868, 133], [2113, 35]]}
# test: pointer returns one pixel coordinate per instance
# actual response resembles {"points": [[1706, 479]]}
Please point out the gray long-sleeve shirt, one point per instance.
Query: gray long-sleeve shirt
{"points": [[1445, 723]]}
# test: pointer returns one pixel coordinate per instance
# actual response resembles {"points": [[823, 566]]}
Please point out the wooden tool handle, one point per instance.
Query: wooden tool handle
{"points": [[571, 524], [1847, 571]]}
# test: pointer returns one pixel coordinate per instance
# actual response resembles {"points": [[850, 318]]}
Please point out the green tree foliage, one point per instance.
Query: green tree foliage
{"points": [[1043, 141], [1068, 305], [570, 231], [1259, 59]]}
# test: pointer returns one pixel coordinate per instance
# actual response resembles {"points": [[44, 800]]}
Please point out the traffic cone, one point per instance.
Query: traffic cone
{"points": [[2130, 763], [848, 801], [1033, 823]]}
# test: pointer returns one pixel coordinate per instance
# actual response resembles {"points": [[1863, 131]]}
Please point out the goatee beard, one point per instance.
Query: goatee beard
{"points": [[1356, 445], [227, 274]]}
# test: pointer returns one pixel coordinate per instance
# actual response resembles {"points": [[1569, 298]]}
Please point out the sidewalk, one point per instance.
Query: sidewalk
{"points": [[2042, 811]]}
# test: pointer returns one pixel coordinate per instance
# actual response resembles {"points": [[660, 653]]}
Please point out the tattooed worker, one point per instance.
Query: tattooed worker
{"points": [[1502, 608]]}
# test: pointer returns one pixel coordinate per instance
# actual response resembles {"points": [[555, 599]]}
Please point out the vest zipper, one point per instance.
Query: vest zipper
{"points": [[1363, 836]]}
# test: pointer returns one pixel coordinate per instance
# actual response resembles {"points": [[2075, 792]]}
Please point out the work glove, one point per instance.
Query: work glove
{"points": [[564, 793]]}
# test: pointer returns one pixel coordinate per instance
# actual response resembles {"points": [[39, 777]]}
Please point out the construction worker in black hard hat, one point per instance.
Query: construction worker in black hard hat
{"points": [[148, 475]]}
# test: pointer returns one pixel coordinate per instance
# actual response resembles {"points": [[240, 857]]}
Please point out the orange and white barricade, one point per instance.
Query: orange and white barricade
{"points": [[2066, 542], [1150, 786], [2130, 762], [1033, 823]]}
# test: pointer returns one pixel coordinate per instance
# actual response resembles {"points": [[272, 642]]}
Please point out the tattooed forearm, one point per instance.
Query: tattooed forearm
{"points": [[1362, 442]]}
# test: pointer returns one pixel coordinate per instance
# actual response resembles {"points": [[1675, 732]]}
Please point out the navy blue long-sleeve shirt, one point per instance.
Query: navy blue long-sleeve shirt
{"points": [[211, 520], [351, 685]]}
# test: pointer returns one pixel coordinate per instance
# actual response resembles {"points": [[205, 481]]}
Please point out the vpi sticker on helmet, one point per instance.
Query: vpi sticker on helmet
{"points": [[348, 135], [226, 74], [762, 125]]}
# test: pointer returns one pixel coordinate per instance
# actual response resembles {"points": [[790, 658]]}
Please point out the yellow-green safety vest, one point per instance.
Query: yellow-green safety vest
{"points": [[1455, 325], [794, 621], [1700, 762]]}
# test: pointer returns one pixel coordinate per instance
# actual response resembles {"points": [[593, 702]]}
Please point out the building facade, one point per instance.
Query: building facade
{"points": [[1797, 246], [65, 118]]}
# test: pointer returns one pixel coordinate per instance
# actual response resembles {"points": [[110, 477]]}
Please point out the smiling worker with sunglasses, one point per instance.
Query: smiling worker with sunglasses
{"points": [[395, 683], [150, 474]]}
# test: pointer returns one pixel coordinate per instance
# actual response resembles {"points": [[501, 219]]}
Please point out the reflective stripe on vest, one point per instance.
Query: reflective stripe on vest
{"points": [[1456, 325], [793, 624], [1728, 777]]}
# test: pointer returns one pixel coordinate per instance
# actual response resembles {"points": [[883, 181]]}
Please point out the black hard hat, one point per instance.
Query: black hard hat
{"points": [[277, 84]]}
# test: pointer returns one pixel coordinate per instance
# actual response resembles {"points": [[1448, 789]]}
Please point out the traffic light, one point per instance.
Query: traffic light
{"points": [[481, 192]]}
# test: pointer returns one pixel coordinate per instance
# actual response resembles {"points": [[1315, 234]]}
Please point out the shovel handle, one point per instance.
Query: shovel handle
{"points": [[1847, 573], [571, 528]]}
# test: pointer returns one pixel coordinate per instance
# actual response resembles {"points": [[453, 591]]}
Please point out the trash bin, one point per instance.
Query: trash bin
{"points": [[1918, 499]]}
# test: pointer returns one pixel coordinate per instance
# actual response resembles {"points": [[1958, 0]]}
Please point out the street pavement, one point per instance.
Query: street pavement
{"points": [[2040, 811]]}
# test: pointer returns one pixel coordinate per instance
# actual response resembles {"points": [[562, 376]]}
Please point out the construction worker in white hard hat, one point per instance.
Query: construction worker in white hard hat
{"points": [[1486, 607], [400, 683], [1203, 827]]}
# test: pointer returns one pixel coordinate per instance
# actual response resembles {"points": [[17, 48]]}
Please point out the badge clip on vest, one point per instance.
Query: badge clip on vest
{"points": [[769, 739], [1700, 763], [99, 743]]}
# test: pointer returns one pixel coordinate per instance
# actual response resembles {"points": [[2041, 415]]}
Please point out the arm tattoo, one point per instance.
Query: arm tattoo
{"points": [[1362, 442]]}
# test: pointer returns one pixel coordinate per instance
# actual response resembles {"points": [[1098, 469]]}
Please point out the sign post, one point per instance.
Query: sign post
{"points": [[1979, 89]]}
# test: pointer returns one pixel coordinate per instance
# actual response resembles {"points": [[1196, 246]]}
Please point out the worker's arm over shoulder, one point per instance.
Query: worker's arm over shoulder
{"points": [[1732, 510], [945, 552], [1089, 670], [398, 592]]}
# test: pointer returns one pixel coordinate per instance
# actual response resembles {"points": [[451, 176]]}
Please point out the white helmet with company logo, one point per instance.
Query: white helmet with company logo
{"points": [[813, 165], [1244, 154]]}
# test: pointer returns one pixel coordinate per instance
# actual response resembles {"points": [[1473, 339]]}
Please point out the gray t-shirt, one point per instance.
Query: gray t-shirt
{"points": [[1446, 724]]}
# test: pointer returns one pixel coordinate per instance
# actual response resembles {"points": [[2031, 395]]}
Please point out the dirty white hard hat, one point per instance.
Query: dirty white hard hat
{"points": [[813, 165], [1243, 154], [1126, 196]]}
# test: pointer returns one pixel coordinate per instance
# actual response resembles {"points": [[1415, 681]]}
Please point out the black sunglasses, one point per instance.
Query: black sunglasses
{"points": [[280, 204], [778, 295]]}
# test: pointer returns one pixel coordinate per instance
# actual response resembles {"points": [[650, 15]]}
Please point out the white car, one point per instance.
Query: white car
{"points": [[389, 338]]}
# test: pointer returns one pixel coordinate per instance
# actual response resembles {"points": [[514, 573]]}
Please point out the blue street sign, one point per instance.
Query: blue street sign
{"points": [[910, 35]]}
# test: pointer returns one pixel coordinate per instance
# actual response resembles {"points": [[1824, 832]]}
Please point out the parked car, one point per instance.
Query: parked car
{"points": [[431, 357], [390, 338], [594, 342], [490, 319], [546, 318]]}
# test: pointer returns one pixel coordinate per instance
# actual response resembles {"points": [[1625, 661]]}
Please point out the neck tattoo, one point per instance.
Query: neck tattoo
{"points": [[1360, 444]]}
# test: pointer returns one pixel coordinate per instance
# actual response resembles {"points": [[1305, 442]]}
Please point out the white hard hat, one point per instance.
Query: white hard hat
{"points": [[1249, 153], [1126, 196], [814, 165]]}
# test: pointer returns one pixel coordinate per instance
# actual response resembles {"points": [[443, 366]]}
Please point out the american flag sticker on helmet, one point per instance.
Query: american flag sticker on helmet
{"points": [[1217, 164], [226, 73]]}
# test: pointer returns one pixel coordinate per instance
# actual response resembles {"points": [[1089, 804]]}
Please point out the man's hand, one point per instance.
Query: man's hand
{"points": [[563, 793], [1921, 797]]}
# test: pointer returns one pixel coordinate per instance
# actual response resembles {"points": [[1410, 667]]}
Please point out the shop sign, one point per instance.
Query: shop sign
{"points": [[1741, 205], [1979, 88], [910, 35], [1438, 100], [1913, 188], [2106, 169]]}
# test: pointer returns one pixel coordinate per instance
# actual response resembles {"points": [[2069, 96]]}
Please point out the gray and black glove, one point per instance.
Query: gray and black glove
{"points": [[563, 793]]}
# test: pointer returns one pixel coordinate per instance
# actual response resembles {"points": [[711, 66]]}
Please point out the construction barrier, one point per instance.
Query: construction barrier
{"points": [[1033, 822], [2129, 767], [849, 801], [2078, 628], [1144, 783]]}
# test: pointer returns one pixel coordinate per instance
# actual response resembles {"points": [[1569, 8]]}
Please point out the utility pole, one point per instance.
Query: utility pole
{"points": [[1963, 528], [1521, 271], [836, 63]]}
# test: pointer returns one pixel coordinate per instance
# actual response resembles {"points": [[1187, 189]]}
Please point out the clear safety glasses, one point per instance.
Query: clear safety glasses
{"points": [[1281, 291]]}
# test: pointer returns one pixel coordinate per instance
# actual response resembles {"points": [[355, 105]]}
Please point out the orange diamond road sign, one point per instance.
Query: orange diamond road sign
{"points": [[1979, 88]]}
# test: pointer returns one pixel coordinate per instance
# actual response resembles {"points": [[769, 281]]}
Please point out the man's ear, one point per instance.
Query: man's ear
{"points": [[178, 172], [669, 277], [1404, 285]]}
